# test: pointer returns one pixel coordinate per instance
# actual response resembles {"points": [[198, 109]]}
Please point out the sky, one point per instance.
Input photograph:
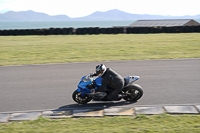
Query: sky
{"points": [[80, 8]]}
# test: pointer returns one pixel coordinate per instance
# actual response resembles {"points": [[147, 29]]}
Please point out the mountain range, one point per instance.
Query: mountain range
{"points": [[114, 14]]}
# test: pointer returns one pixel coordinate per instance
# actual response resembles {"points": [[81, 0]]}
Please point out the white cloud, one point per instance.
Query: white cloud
{"points": [[78, 8]]}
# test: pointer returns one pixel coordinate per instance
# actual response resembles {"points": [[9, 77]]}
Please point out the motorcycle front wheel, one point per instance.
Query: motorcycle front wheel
{"points": [[134, 92], [77, 97]]}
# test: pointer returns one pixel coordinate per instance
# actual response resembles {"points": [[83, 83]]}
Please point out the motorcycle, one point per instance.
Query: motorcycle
{"points": [[87, 85]]}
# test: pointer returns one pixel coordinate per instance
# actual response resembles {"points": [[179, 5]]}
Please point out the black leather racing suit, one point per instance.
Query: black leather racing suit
{"points": [[113, 80]]}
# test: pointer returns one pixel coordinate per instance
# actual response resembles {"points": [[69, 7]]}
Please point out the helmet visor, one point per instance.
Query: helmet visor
{"points": [[98, 72]]}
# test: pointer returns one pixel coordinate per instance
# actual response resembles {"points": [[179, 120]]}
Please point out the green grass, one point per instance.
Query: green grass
{"points": [[19, 50], [119, 124]]}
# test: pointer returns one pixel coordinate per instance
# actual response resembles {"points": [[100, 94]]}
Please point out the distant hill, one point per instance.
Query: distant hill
{"points": [[96, 16], [119, 15], [31, 16]]}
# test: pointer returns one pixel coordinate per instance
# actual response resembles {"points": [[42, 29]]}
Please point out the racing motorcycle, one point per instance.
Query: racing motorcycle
{"points": [[87, 85]]}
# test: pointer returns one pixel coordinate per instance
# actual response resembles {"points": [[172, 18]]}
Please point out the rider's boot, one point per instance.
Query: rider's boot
{"points": [[122, 95]]}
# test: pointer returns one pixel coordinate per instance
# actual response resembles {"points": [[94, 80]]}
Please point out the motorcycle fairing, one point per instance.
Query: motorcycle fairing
{"points": [[85, 81], [130, 79], [97, 82], [82, 86]]}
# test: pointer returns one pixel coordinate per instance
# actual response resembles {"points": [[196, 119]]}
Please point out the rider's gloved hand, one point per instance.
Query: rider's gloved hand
{"points": [[92, 74]]}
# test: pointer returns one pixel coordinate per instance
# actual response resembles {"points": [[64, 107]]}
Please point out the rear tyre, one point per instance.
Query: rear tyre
{"points": [[134, 92], [77, 97]]}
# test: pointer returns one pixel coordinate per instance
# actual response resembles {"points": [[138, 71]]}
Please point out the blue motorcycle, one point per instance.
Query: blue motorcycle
{"points": [[87, 85]]}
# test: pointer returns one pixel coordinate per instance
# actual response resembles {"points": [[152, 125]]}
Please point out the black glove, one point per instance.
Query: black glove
{"points": [[93, 74]]}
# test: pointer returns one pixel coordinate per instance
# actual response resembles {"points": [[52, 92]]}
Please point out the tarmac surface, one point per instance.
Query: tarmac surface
{"points": [[50, 86]]}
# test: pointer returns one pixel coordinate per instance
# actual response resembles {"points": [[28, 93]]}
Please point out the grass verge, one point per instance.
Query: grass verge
{"points": [[119, 124], [19, 50]]}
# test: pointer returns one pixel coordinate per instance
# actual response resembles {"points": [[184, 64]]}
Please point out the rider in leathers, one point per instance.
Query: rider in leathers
{"points": [[111, 79]]}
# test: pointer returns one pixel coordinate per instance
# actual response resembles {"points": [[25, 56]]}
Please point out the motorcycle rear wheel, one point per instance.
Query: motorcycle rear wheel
{"points": [[80, 99], [134, 92]]}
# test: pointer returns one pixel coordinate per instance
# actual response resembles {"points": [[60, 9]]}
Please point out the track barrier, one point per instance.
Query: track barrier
{"points": [[97, 30]]}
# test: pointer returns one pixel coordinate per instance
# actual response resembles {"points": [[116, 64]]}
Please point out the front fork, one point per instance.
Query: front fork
{"points": [[82, 92]]}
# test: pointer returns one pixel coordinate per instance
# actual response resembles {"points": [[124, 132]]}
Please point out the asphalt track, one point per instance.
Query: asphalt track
{"points": [[49, 86]]}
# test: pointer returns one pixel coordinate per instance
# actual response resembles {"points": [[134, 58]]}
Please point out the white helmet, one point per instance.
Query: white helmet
{"points": [[100, 70]]}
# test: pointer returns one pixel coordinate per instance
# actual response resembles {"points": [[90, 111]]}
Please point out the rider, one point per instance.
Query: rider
{"points": [[111, 79]]}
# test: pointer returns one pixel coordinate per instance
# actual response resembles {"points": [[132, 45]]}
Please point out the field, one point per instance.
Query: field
{"points": [[19, 50]]}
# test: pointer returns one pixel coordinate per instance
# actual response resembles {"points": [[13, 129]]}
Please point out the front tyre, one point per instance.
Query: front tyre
{"points": [[77, 97], [134, 92]]}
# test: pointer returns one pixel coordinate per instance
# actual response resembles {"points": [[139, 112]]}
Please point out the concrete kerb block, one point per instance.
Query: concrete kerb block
{"points": [[118, 111], [4, 118], [25, 116], [181, 110], [88, 113], [57, 114], [198, 107], [113, 111], [149, 110]]}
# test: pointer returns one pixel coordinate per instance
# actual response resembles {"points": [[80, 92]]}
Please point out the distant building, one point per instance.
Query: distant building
{"points": [[164, 23]]}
